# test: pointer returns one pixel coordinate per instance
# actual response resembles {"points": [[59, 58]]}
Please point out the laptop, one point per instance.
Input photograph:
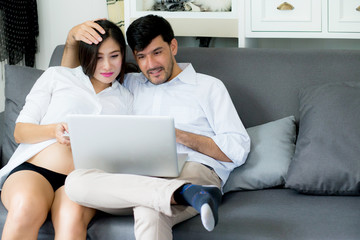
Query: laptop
{"points": [[143, 145]]}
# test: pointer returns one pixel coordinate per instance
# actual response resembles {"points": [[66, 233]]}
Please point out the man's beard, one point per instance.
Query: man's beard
{"points": [[167, 76]]}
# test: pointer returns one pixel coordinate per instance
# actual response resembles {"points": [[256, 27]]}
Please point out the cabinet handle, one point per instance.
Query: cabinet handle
{"points": [[285, 6], [358, 9]]}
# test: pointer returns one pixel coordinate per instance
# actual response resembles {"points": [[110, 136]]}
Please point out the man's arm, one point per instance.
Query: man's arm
{"points": [[83, 32], [202, 144], [230, 142]]}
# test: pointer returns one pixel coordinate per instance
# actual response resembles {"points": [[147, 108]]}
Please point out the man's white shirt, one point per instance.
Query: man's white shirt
{"points": [[199, 104]]}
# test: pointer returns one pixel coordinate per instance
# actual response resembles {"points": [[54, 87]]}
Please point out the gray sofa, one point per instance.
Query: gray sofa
{"points": [[261, 200]]}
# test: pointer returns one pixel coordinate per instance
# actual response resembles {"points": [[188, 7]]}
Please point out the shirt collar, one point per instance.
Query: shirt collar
{"points": [[187, 75]]}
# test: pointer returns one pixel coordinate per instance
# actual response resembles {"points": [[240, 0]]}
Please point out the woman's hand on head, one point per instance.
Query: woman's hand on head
{"points": [[60, 130], [85, 32]]}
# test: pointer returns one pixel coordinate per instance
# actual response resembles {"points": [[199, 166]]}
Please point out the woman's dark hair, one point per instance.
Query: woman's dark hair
{"points": [[88, 54], [143, 30]]}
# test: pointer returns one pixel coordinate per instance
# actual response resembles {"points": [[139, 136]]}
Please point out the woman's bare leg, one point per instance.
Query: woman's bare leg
{"points": [[27, 196], [70, 219]]}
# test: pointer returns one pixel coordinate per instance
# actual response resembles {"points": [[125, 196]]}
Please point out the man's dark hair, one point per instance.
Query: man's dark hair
{"points": [[143, 30], [88, 54]]}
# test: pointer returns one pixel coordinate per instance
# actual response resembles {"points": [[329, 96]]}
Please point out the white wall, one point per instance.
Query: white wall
{"points": [[56, 18]]}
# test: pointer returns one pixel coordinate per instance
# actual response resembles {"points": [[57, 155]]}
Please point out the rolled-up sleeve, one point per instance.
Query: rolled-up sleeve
{"points": [[230, 134], [38, 99]]}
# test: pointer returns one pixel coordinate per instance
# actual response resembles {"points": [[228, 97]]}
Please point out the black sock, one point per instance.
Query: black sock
{"points": [[205, 199], [179, 198]]}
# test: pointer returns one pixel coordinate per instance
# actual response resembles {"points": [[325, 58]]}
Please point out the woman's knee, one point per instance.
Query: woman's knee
{"points": [[65, 211], [26, 212], [72, 220]]}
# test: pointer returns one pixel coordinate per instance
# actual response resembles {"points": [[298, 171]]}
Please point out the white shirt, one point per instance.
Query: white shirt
{"points": [[61, 91], [199, 104]]}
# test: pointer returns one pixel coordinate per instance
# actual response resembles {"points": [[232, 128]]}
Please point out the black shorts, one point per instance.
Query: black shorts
{"points": [[56, 180]]}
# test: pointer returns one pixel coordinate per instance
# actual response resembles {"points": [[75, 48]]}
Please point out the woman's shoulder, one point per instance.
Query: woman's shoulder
{"points": [[65, 70], [60, 73]]}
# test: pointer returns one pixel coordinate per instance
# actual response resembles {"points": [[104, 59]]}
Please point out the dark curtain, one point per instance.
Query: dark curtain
{"points": [[19, 29]]}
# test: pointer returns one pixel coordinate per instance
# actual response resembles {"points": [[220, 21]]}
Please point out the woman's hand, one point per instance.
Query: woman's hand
{"points": [[34, 133], [60, 130]]}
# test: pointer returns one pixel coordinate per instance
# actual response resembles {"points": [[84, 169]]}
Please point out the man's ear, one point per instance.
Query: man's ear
{"points": [[174, 46]]}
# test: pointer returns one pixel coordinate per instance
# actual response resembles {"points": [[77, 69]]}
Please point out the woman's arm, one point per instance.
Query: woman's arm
{"points": [[83, 32], [33, 133]]}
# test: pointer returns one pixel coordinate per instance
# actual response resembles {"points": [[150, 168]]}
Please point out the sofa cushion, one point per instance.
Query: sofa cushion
{"points": [[272, 148], [18, 83], [327, 155], [1, 132]]}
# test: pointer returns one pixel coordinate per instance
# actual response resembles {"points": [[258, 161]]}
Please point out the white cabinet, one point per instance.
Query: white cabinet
{"points": [[344, 16], [250, 20], [291, 16], [321, 19], [190, 23]]}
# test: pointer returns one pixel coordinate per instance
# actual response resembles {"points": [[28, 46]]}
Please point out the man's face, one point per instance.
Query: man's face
{"points": [[157, 61]]}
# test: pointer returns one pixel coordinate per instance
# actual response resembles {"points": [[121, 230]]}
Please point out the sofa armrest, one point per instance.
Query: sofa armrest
{"points": [[1, 133], [56, 56]]}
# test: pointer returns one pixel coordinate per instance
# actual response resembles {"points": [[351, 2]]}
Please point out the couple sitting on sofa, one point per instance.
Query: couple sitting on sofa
{"points": [[208, 128]]}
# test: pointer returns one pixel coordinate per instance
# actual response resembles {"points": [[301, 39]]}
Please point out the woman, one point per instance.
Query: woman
{"points": [[36, 172]]}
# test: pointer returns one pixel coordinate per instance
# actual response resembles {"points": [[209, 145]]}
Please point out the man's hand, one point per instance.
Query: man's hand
{"points": [[85, 32], [60, 130]]}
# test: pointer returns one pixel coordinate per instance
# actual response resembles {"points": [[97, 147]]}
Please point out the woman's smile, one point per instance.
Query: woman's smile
{"points": [[107, 74]]}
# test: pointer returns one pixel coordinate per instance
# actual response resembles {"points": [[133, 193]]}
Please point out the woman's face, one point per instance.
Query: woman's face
{"points": [[109, 60]]}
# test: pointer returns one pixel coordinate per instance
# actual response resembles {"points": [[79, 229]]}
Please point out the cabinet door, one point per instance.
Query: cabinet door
{"points": [[290, 16], [344, 15]]}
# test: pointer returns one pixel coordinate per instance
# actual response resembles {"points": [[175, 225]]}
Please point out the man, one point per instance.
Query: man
{"points": [[208, 128]]}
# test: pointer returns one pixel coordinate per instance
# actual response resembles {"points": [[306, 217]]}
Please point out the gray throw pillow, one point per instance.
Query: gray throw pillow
{"points": [[272, 148], [327, 155], [18, 83]]}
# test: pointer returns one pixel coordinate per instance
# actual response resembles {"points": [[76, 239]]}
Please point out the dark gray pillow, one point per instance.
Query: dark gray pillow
{"points": [[18, 83], [327, 155], [272, 148]]}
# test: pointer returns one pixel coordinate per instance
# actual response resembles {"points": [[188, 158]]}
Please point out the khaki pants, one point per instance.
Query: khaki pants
{"points": [[148, 197]]}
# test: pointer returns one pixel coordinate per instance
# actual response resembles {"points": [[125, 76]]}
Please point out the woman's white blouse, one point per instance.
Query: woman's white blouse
{"points": [[61, 91]]}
